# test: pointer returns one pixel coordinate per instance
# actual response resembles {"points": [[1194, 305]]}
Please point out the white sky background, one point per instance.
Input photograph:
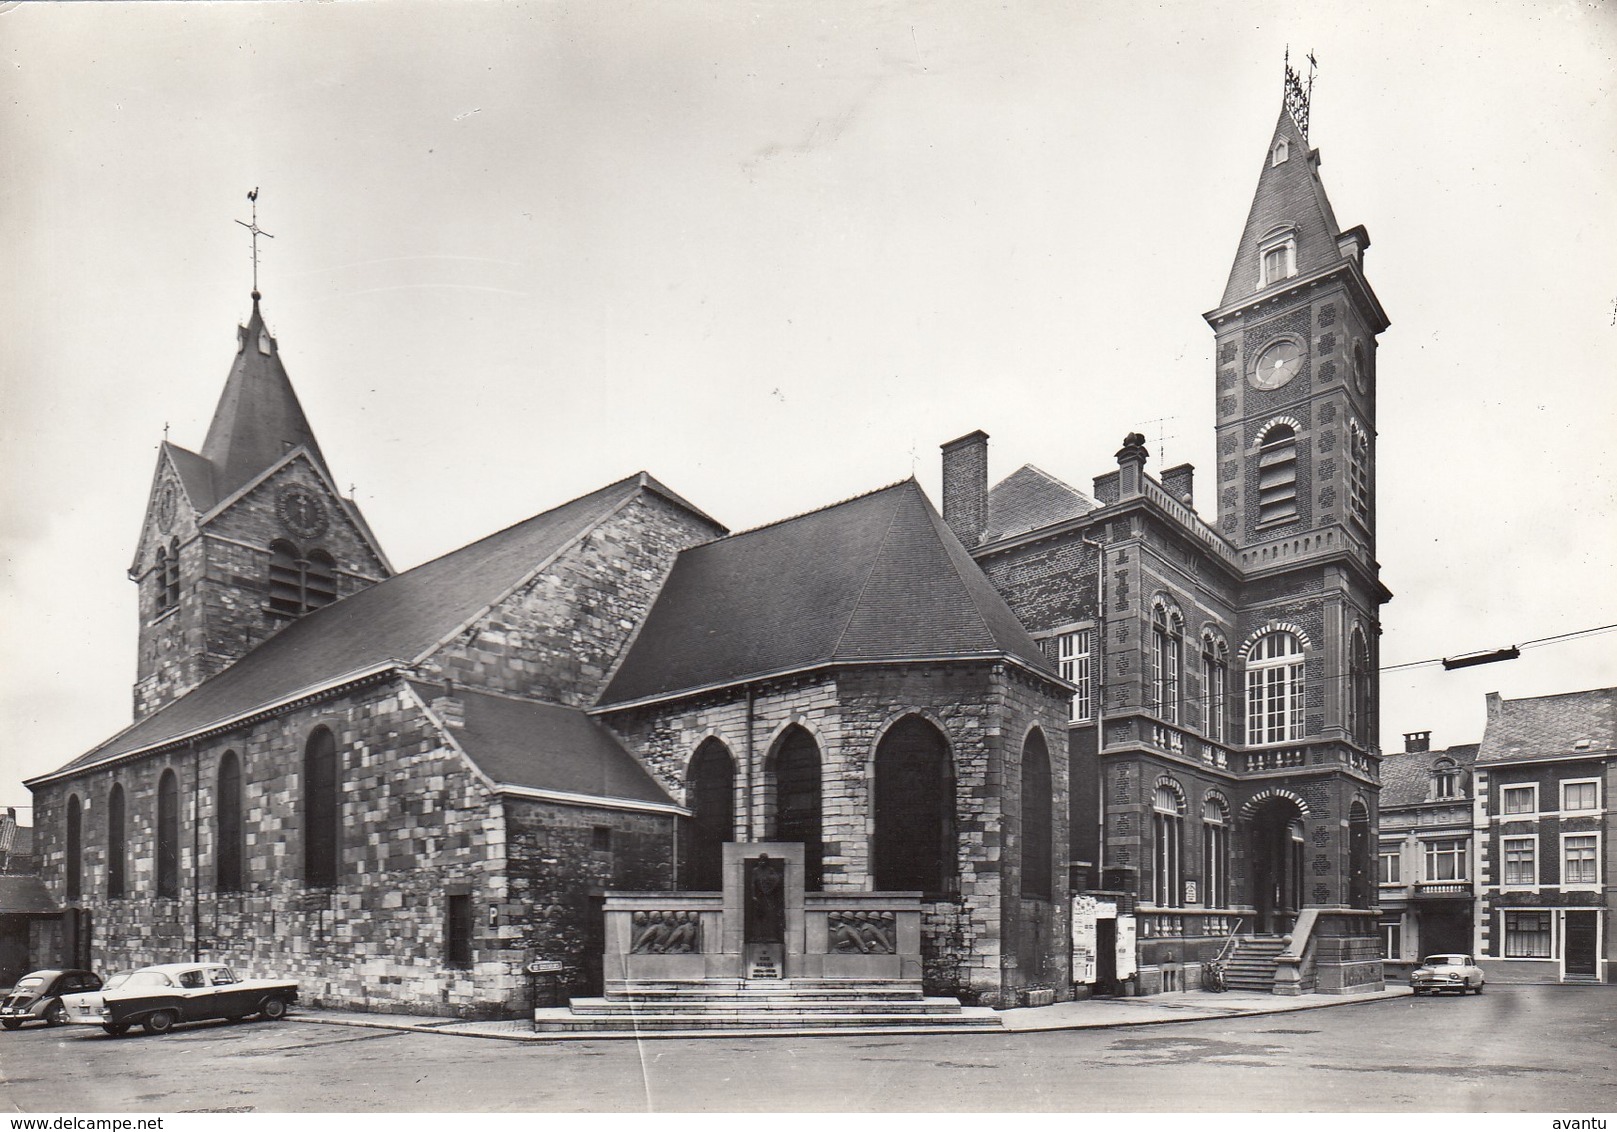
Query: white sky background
{"points": [[775, 253]]}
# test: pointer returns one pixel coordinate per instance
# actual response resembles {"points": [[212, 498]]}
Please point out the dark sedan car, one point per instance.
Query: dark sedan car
{"points": [[159, 997], [37, 997]]}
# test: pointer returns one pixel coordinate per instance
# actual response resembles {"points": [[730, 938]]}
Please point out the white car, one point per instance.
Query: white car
{"points": [[1446, 973]]}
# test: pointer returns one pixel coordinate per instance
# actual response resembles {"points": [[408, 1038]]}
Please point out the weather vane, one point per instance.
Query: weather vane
{"points": [[1298, 94], [257, 232]]}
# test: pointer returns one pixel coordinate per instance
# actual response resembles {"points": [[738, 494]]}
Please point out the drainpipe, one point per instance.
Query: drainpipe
{"points": [[196, 848], [1099, 680], [751, 692]]}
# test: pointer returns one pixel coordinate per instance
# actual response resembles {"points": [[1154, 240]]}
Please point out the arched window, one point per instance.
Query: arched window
{"points": [[1358, 688], [1215, 683], [160, 576], [1037, 865], [227, 826], [320, 809], [1280, 151], [1167, 661], [1274, 689], [1359, 474], [74, 880], [1277, 255], [1445, 779], [913, 847], [797, 801], [1361, 857], [168, 835], [171, 576], [116, 850], [1167, 828], [300, 582], [1215, 852], [710, 796], [1277, 475]]}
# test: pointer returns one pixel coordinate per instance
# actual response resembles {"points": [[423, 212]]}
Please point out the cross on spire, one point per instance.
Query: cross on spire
{"points": [[257, 232], [1298, 94]]}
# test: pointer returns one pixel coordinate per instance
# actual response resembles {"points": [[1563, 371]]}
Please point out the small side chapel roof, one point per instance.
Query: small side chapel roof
{"points": [[878, 577], [397, 620], [1030, 498], [546, 747], [26, 895]]}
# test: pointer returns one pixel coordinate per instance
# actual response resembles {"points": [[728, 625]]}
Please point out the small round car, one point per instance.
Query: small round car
{"points": [[1447, 972], [37, 997]]}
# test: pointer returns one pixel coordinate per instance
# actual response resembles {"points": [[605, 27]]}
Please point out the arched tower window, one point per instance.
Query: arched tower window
{"points": [[1359, 474], [1358, 688], [117, 851], [1215, 683], [320, 809], [1215, 852], [1037, 864], [710, 796], [913, 847], [797, 801], [1274, 689], [74, 868], [227, 825], [1277, 474], [1167, 660], [1167, 828], [168, 835], [300, 582], [171, 576]]}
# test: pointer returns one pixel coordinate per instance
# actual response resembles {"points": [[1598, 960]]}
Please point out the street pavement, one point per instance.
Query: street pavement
{"points": [[1513, 1049]]}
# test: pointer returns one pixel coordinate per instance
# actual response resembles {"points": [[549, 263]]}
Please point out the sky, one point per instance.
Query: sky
{"points": [[775, 253]]}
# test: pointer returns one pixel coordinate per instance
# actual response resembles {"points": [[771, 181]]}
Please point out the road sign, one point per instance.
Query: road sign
{"points": [[545, 966]]}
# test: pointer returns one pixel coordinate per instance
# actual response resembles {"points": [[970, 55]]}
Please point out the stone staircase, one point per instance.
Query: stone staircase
{"points": [[775, 1005], [1251, 966]]}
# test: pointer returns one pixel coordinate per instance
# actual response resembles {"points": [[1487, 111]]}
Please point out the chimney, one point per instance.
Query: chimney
{"points": [[1417, 742], [965, 486], [1496, 706], [449, 707], [1177, 481], [1131, 464]]}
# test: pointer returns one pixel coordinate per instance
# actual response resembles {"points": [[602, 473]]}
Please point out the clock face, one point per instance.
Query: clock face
{"points": [[301, 511], [166, 504], [1277, 365]]}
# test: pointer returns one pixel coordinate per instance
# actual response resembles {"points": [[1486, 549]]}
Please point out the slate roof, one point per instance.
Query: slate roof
{"points": [[878, 577], [1030, 498], [546, 747], [1562, 726], [399, 619], [196, 476], [25, 896], [1406, 777], [258, 419]]}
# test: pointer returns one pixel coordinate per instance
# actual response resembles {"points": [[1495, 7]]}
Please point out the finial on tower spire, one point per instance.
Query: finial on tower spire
{"points": [[257, 232], [1299, 94]]}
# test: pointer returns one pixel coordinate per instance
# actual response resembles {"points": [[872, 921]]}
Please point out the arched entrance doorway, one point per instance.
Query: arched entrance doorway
{"points": [[710, 794], [1275, 844], [1361, 861]]}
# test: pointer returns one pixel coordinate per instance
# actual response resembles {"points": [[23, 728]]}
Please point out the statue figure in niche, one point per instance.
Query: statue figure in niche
{"points": [[766, 892]]}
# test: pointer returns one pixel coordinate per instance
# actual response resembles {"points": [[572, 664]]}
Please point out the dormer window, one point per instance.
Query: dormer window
{"points": [[1277, 256], [1280, 152], [1445, 780]]}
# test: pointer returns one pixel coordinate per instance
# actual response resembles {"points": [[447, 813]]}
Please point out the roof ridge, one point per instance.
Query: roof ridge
{"points": [[817, 510]]}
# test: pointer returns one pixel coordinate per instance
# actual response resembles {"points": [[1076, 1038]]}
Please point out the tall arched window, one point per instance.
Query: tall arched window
{"points": [[171, 575], [1215, 681], [913, 847], [710, 796], [1167, 827], [1037, 788], [1274, 689], [1359, 474], [300, 582], [1358, 688], [168, 835], [160, 572], [1167, 661], [74, 880], [1215, 852], [1361, 856], [320, 809], [116, 850], [227, 826], [797, 801], [1277, 474]]}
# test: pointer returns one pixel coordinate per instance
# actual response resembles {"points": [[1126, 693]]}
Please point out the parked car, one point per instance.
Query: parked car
{"points": [[158, 997], [37, 997], [1446, 972], [86, 1005]]}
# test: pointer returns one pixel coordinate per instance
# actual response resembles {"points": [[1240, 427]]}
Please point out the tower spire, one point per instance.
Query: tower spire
{"points": [[257, 232]]}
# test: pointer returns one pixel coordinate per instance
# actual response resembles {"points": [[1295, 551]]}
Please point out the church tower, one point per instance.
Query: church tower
{"points": [[244, 536]]}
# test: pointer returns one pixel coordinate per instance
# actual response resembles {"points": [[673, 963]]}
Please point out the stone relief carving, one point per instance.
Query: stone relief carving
{"points": [[862, 933], [666, 933]]}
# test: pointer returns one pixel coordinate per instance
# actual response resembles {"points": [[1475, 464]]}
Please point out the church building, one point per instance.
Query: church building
{"points": [[1084, 742]]}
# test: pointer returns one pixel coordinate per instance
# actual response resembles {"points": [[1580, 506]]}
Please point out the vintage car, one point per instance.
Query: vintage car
{"points": [[37, 997], [158, 997], [1446, 972]]}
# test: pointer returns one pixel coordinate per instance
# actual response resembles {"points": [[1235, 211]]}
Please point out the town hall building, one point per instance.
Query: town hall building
{"points": [[1046, 742]]}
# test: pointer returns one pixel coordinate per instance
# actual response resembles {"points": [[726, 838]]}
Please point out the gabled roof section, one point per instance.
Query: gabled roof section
{"points": [[1289, 195], [258, 419], [878, 577], [1568, 725], [196, 476], [547, 748], [400, 619], [1406, 776], [1030, 498], [26, 896]]}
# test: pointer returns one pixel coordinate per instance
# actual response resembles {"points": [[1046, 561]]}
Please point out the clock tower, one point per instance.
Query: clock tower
{"points": [[243, 537]]}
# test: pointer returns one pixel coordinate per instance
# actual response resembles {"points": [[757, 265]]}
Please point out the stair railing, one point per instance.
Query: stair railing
{"points": [[1217, 966]]}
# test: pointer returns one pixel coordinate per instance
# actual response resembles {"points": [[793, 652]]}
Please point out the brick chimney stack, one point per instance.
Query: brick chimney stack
{"points": [[1178, 481], [1496, 706], [1416, 742], [965, 486]]}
